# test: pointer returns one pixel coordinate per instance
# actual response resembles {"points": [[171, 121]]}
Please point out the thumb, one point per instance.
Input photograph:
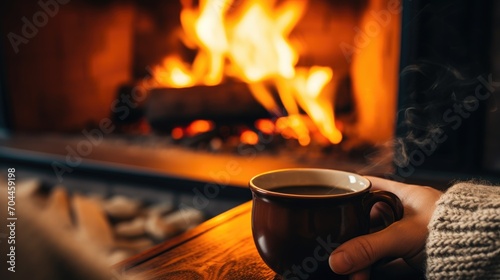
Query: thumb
{"points": [[361, 252]]}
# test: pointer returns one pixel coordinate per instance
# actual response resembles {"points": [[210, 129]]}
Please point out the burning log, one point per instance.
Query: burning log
{"points": [[224, 103]]}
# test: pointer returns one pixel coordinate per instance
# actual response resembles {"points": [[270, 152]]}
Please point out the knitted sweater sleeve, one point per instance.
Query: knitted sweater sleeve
{"points": [[464, 234]]}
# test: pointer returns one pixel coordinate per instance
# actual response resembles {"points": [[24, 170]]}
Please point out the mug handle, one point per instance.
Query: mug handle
{"points": [[386, 197]]}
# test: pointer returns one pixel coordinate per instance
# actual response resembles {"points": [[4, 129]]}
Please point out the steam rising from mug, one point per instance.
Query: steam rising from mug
{"points": [[434, 92]]}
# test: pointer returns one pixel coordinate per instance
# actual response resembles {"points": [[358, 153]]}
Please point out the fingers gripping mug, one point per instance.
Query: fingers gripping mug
{"points": [[301, 215]]}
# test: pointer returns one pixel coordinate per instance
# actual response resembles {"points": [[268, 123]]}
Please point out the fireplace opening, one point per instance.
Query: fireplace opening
{"points": [[298, 77], [305, 83], [325, 73]]}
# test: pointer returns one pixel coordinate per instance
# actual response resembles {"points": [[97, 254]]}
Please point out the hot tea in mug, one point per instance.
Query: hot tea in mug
{"points": [[301, 215]]}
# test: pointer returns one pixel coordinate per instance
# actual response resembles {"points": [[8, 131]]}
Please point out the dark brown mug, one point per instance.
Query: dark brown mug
{"points": [[301, 215]]}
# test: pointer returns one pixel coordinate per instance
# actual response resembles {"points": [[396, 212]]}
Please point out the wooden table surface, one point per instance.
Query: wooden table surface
{"points": [[220, 248]]}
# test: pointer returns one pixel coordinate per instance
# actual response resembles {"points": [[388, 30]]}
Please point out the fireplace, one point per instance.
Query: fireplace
{"points": [[296, 83], [198, 92]]}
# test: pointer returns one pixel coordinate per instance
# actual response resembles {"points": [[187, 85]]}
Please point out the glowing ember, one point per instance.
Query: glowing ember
{"points": [[249, 137], [199, 126], [251, 43], [266, 126], [177, 133]]}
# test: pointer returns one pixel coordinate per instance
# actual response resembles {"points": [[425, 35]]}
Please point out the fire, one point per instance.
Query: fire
{"points": [[249, 137], [174, 73], [177, 133], [266, 126], [199, 126], [251, 43], [259, 46], [309, 91]]}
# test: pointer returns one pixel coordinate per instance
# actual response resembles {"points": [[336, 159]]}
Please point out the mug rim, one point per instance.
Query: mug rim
{"points": [[255, 189]]}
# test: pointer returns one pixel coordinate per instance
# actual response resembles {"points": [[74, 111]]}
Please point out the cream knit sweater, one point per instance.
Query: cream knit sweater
{"points": [[464, 234]]}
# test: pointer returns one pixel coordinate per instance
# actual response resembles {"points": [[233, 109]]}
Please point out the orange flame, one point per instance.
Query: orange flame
{"points": [[251, 42], [174, 73], [309, 89]]}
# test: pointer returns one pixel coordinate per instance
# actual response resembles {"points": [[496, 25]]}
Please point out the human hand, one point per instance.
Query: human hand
{"points": [[402, 239]]}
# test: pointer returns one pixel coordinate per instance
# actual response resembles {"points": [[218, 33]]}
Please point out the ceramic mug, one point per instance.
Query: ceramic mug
{"points": [[301, 215]]}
